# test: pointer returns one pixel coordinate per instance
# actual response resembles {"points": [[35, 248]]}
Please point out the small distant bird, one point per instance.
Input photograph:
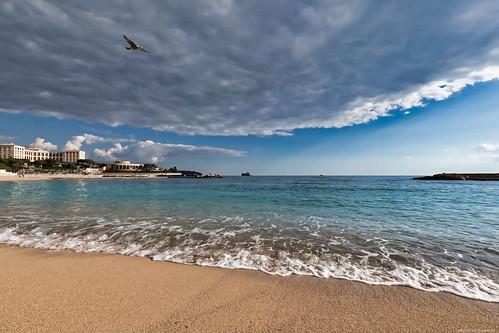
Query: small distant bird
{"points": [[134, 46]]}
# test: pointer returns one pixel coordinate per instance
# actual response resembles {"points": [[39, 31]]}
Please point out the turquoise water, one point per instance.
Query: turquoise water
{"points": [[438, 236]]}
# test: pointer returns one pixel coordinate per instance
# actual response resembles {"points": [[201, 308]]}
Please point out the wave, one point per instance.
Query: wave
{"points": [[426, 276]]}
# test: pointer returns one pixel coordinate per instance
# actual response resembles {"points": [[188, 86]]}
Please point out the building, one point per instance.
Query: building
{"points": [[123, 166], [68, 156], [95, 170], [35, 154], [12, 151]]}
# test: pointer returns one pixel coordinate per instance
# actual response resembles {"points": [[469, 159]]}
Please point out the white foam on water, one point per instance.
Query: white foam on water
{"points": [[428, 277]]}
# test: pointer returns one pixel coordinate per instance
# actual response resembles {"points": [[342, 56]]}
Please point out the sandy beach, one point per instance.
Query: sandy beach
{"points": [[34, 177], [47, 291], [47, 177]]}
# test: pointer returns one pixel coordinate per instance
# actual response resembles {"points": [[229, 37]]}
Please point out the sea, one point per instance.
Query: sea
{"points": [[429, 235]]}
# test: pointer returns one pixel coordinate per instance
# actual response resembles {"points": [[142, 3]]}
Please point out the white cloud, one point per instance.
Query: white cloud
{"points": [[146, 151], [77, 141], [365, 110], [489, 147], [486, 152], [41, 143], [110, 153], [154, 152]]}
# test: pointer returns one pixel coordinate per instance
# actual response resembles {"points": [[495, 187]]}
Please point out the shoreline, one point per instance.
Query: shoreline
{"points": [[461, 176], [48, 177], [34, 177], [65, 291]]}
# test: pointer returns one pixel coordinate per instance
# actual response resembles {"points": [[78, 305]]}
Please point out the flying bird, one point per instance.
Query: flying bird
{"points": [[134, 46]]}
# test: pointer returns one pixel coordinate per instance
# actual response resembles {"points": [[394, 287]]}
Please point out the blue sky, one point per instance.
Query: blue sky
{"points": [[317, 87]]}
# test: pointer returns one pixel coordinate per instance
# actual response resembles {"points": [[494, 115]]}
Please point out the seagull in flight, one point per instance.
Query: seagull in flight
{"points": [[134, 46]]}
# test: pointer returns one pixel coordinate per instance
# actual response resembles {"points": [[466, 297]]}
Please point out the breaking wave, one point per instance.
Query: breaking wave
{"points": [[243, 247]]}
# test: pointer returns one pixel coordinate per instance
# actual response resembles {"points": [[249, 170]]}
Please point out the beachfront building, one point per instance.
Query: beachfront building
{"points": [[12, 150], [68, 156], [124, 166], [96, 170], [35, 154]]}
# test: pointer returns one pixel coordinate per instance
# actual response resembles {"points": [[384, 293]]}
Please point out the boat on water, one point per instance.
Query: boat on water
{"points": [[245, 174]]}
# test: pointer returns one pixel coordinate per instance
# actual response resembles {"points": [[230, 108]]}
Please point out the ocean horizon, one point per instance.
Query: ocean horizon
{"points": [[388, 230]]}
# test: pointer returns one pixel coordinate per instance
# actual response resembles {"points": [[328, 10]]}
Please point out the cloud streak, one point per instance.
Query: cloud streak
{"points": [[154, 152], [237, 68], [6, 138], [136, 150]]}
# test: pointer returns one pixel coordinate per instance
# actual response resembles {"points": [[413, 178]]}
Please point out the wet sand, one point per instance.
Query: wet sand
{"points": [[46, 291]]}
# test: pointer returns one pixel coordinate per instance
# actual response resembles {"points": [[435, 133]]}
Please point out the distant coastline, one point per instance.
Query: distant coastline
{"points": [[462, 176]]}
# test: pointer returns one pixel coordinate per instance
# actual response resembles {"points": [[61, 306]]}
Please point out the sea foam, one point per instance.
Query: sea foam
{"points": [[428, 277]]}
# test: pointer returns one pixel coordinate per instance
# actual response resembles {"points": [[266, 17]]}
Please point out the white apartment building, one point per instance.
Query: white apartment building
{"points": [[69, 156], [12, 150], [35, 154]]}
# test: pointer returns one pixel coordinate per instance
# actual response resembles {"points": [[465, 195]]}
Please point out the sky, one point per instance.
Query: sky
{"points": [[273, 88]]}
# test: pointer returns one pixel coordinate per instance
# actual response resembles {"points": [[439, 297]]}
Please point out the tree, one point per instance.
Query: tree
{"points": [[47, 164], [6, 167], [71, 166], [86, 162], [150, 167], [14, 164]]}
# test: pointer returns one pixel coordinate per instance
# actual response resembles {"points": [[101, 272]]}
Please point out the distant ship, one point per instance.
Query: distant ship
{"points": [[245, 174]]}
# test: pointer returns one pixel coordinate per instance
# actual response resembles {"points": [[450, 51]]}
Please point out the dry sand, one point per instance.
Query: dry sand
{"points": [[43, 291]]}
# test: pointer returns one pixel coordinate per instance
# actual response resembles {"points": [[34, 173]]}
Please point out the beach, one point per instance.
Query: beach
{"points": [[15, 177], [69, 176], [62, 291], [248, 254]]}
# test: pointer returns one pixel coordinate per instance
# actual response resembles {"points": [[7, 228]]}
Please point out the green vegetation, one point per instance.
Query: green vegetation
{"points": [[174, 169], [47, 164], [150, 168], [87, 161], [6, 167], [12, 164]]}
